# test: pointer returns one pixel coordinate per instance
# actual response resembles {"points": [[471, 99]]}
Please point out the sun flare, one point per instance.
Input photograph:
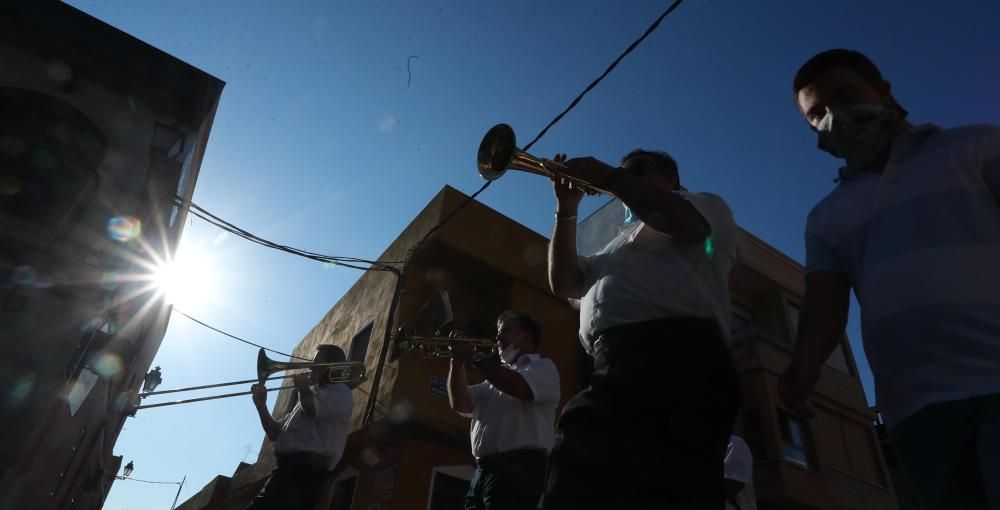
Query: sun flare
{"points": [[189, 280]]}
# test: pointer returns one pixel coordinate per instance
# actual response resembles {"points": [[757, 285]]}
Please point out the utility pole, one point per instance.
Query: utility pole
{"points": [[172, 505]]}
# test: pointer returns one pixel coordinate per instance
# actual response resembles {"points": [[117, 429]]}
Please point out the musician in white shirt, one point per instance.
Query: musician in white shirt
{"points": [[309, 440], [513, 415]]}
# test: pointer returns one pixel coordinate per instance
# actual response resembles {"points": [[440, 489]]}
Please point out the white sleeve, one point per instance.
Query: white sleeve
{"points": [[542, 377], [725, 232], [739, 461]]}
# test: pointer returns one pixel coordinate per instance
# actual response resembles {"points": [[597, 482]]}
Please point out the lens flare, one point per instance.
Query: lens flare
{"points": [[21, 388], [107, 365], [111, 281], [24, 275], [124, 228]]}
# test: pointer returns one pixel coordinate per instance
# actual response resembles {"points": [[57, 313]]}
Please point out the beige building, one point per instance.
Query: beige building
{"points": [[98, 134], [415, 454]]}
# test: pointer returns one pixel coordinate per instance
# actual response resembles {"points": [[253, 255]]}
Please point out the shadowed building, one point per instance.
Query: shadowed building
{"points": [[99, 132], [416, 455]]}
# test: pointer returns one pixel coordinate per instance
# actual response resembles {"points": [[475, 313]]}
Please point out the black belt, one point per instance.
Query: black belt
{"points": [[303, 461], [521, 454], [613, 337]]}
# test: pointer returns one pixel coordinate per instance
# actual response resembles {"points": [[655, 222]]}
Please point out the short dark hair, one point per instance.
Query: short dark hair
{"points": [[830, 59], [527, 322], [666, 161], [330, 353]]}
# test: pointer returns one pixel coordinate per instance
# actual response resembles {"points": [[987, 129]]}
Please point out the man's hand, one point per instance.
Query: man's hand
{"points": [[461, 352], [795, 386], [568, 196], [302, 381], [259, 395]]}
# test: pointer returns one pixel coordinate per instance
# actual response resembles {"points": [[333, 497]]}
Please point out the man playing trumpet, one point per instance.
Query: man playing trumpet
{"points": [[310, 439], [652, 429], [513, 414]]}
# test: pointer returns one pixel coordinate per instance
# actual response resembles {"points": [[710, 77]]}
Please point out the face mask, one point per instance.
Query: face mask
{"points": [[629, 217], [509, 353], [858, 134]]}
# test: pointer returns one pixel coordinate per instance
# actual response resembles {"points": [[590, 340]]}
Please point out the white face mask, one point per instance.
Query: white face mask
{"points": [[510, 353], [859, 134]]}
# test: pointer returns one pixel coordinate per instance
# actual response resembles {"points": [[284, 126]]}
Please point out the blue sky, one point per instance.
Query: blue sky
{"points": [[324, 141]]}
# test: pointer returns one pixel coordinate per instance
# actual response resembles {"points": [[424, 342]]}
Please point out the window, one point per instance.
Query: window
{"points": [[448, 487], [796, 441], [359, 344], [343, 493]]}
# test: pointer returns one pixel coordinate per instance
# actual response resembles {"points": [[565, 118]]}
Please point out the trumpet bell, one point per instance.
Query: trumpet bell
{"points": [[498, 152]]}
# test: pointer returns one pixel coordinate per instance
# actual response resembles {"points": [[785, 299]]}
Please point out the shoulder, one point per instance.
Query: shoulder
{"points": [[816, 218], [541, 363], [717, 213], [738, 444], [970, 133], [709, 201], [338, 391]]}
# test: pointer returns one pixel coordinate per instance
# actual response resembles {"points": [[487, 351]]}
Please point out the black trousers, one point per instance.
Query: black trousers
{"points": [[511, 480], [651, 430], [294, 484]]}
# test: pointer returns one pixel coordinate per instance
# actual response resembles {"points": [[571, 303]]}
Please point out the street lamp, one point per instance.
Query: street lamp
{"points": [[152, 380], [128, 469]]}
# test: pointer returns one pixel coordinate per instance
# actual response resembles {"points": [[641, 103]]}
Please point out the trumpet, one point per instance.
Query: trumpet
{"points": [[350, 372], [440, 346], [498, 152]]}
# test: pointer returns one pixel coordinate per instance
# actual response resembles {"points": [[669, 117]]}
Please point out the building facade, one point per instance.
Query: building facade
{"points": [[415, 452], [101, 141]]}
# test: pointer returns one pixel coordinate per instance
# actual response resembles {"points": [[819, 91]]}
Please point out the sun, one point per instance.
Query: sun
{"points": [[189, 280]]}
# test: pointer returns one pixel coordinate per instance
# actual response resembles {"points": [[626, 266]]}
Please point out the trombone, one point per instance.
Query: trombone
{"points": [[349, 372], [439, 347], [498, 152]]}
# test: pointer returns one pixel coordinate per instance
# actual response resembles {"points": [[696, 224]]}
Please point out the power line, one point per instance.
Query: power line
{"points": [[607, 71], [559, 117], [351, 262], [234, 337]]}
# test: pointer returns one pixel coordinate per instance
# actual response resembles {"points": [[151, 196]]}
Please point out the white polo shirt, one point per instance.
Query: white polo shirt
{"points": [[739, 468], [501, 422], [324, 434], [920, 244], [644, 275]]}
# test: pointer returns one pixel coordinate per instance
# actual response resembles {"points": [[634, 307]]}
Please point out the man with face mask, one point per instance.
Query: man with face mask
{"points": [[913, 226], [652, 429], [513, 415]]}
